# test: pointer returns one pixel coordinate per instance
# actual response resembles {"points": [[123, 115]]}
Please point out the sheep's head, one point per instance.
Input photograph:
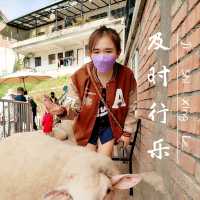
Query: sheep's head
{"points": [[96, 187], [95, 178]]}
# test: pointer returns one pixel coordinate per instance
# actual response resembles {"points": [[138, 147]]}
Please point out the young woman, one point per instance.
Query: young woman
{"points": [[101, 121]]}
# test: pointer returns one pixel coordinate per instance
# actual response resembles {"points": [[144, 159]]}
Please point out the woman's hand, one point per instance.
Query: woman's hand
{"points": [[51, 107], [126, 140]]}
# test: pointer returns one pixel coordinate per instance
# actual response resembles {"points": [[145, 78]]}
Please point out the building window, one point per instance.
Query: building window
{"points": [[37, 61], [69, 58], [52, 59], [69, 53], [26, 62], [60, 55]]}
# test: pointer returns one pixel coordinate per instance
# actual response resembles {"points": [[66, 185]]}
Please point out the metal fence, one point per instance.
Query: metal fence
{"points": [[15, 117]]}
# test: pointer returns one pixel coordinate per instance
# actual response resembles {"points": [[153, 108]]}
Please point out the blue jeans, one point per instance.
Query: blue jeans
{"points": [[104, 134]]}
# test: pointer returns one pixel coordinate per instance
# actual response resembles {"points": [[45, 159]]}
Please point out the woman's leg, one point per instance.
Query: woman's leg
{"points": [[106, 148], [91, 147]]}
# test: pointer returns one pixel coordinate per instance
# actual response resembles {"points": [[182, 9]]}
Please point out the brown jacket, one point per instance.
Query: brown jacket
{"points": [[120, 89]]}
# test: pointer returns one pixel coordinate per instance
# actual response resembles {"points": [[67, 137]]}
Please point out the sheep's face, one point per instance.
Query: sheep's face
{"points": [[96, 187]]}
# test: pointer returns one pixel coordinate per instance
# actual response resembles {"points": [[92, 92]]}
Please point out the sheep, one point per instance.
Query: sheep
{"points": [[64, 131], [39, 167]]}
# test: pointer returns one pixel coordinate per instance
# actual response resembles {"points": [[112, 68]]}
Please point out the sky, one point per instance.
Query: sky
{"points": [[16, 8]]}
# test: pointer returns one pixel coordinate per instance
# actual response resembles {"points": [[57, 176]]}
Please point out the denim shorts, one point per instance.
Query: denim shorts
{"points": [[104, 134]]}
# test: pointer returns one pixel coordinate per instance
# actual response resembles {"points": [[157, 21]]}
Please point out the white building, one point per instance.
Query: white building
{"points": [[7, 54], [58, 34]]}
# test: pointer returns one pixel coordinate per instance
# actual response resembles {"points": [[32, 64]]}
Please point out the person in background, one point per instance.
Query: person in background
{"points": [[47, 123], [59, 65], [53, 98], [21, 113], [20, 94], [33, 107]]}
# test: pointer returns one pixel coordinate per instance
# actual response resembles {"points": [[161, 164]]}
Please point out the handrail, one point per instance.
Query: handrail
{"points": [[15, 116]]}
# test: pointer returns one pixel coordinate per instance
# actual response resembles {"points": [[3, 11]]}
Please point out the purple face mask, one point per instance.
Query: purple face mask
{"points": [[103, 63]]}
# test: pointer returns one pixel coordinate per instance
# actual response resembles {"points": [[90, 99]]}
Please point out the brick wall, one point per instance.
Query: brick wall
{"points": [[149, 24], [184, 80], [176, 20]]}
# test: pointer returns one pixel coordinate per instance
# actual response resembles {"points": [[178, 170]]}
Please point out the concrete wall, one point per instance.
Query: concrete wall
{"points": [[7, 56], [44, 56], [7, 60], [180, 172]]}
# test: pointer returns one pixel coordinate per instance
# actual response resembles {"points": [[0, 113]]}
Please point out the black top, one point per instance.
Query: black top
{"points": [[102, 119], [20, 98]]}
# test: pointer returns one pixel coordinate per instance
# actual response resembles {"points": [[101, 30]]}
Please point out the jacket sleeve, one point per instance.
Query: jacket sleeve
{"points": [[72, 102], [131, 120]]}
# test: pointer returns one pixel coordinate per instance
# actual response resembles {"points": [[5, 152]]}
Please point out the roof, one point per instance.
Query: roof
{"points": [[64, 9]]}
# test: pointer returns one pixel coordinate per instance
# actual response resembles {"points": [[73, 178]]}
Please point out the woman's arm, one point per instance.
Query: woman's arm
{"points": [[72, 103], [130, 120], [71, 106]]}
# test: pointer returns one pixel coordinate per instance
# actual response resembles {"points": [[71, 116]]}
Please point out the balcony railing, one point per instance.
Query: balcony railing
{"points": [[71, 31]]}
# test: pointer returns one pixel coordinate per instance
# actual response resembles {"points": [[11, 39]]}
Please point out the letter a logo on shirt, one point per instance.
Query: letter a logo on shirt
{"points": [[119, 99]]}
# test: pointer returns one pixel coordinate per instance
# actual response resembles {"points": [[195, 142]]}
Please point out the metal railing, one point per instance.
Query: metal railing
{"points": [[15, 116]]}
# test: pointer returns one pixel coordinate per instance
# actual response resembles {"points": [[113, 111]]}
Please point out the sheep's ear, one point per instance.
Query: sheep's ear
{"points": [[57, 194], [125, 181]]}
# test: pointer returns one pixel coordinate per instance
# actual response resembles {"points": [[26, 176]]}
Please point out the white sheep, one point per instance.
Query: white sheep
{"points": [[64, 131], [36, 167]]}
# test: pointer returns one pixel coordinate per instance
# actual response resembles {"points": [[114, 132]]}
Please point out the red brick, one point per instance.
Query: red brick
{"points": [[152, 20], [147, 142], [192, 125], [171, 137], [144, 161], [173, 55], [173, 153], [175, 6], [145, 69], [144, 86], [186, 182], [172, 121], [192, 20], [172, 88], [179, 17], [191, 3], [197, 172], [141, 113], [172, 73], [149, 94], [147, 123], [188, 104], [176, 54], [183, 87], [188, 64], [195, 105], [193, 38], [149, 55], [187, 163], [193, 146], [195, 81], [179, 193], [173, 39], [145, 104]]}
